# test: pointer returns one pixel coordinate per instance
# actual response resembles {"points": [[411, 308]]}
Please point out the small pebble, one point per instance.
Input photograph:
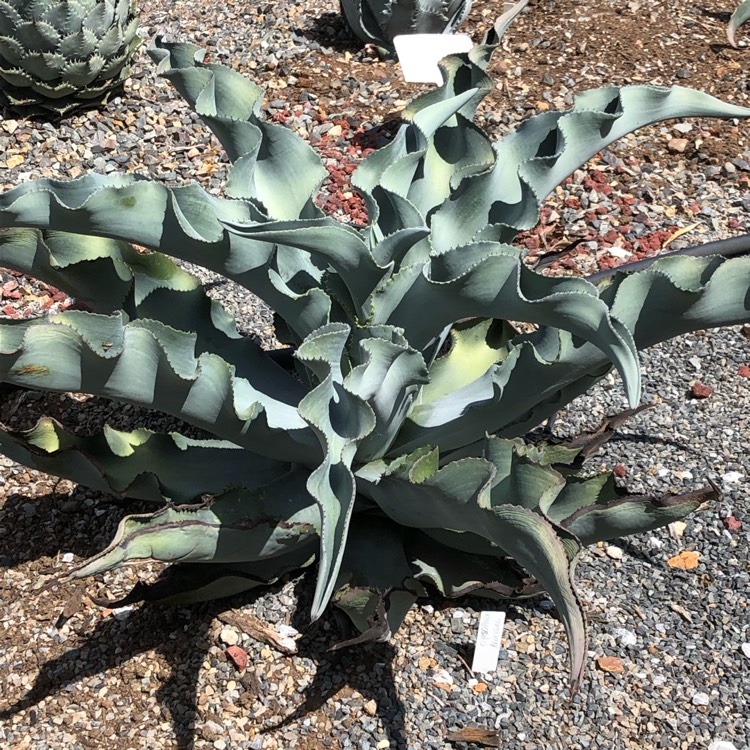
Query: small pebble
{"points": [[229, 636]]}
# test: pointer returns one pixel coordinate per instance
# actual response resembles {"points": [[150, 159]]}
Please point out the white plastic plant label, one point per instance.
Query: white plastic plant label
{"points": [[419, 54], [487, 649]]}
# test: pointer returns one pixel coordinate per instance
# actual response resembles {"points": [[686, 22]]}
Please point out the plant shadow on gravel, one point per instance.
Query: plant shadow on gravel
{"points": [[62, 513], [118, 643], [331, 30], [112, 643]]}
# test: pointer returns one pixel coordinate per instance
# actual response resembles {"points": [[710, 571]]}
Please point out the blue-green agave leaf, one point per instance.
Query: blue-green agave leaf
{"points": [[110, 275], [458, 497], [386, 373], [149, 364], [337, 244], [530, 162], [140, 464], [341, 420], [600, 517], [236, 527], [186, 583], [437, 143], [455, 573], [544, 371], [489, 280], [271, 164], [376, 586], [740, 16], [184, 222]]}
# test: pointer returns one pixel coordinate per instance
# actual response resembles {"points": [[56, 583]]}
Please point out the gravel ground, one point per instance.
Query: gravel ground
{"points": [[81, 677]]}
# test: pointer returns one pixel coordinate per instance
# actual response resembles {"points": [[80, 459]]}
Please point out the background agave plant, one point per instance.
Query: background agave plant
{"points": [[740, 16], [390, 444], [378, 21], [60, 55]]}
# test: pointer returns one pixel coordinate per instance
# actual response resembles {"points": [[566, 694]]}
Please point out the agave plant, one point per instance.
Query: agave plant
{"points": [[388, 437], [740, 16], [60, 55], [379, 21]]}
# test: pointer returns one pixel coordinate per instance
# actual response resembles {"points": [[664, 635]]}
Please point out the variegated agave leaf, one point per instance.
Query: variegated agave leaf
{"points": [[394, 426]]}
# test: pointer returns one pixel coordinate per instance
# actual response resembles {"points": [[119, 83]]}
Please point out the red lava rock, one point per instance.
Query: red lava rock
{"points": [[731, 523], [599, 176], [700, 390], [744, 371], [620, 470], [238, 656]]}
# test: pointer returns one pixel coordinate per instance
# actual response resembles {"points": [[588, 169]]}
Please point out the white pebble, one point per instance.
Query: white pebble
{"points": [[677, 529], [683, 474], [68, 557], [122, 613], [746, 649], [229, 636], [732, 477], [721, 745], [443, 676], [625, 637], [614, 552], [700, 699], [287, 631]]}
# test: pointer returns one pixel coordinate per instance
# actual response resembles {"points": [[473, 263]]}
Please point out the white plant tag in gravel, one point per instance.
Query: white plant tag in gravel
{"points": [[419, 54], [619, 252], [487, 650], [722, 745]]}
